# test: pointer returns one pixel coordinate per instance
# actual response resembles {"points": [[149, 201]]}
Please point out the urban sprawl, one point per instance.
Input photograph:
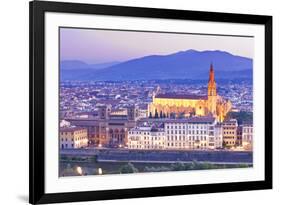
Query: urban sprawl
{"points": [[156, 115]]}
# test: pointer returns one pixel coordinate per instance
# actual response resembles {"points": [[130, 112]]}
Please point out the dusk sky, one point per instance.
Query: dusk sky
{"points": [[102, 46]]}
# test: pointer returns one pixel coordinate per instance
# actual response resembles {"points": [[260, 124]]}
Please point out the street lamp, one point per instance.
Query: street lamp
{"points": [[99, 171], [79, 171]]}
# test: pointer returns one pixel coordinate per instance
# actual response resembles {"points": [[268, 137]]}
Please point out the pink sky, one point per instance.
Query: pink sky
{"points": [[101, 46]]}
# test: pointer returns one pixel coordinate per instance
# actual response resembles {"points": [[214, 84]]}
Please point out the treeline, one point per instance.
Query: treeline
{"points": [[242, 117], [130, 168]]}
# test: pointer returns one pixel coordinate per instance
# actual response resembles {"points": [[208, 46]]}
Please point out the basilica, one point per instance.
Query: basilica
{"points": [[186, 105]]}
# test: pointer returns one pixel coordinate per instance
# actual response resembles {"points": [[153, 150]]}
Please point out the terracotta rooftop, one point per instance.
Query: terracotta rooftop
{"points": [[70, 129]]}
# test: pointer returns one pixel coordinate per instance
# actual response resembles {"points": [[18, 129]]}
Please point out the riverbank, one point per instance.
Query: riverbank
{"points": [[116, 161], [218, 156]]}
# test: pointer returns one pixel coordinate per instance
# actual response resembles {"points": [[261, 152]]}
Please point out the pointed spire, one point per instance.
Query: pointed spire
{"points": [[211, 74]]}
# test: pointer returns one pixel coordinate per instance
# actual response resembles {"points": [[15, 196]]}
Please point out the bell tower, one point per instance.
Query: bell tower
{"points": [[212, 91]]}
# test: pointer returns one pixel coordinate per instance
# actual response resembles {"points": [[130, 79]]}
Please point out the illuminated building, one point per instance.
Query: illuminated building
{"points": [[146, 138], [195, 133], [188, 105], [247, 136], [109, 128], [73, 137], [229, 128]]}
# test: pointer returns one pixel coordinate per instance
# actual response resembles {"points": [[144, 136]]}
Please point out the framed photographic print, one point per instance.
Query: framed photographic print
{"points": [[139, 102]]}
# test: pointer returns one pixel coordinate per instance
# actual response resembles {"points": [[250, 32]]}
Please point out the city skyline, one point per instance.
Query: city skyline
{"points": [[153, 113], [104, 46]]}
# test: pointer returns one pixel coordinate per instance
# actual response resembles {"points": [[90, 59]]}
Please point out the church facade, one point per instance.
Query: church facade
{"points": [[167, 104]]}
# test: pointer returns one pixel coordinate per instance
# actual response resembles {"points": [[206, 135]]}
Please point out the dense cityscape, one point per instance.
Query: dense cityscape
{"points": [[158, 121], [85, 97]]}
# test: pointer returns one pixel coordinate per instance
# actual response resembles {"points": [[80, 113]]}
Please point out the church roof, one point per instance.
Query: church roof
{"points": [[182, 96]]}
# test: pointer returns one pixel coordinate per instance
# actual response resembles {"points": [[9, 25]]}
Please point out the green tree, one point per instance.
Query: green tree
{"points": [[179, 166], [173, 115], [241, 116], [128, 168], [68, 171], [156, 114]]}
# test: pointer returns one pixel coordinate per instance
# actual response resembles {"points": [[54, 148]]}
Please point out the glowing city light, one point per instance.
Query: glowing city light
{"points": [[79, 170], [99, 171]]}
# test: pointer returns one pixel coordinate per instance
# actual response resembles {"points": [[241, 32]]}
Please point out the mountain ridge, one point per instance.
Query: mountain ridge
{"points": [[189, 64]]}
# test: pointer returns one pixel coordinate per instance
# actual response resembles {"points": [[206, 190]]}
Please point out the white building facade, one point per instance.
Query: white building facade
{"points": [[247, 136], [146, 138], [218, 136], [199, 133]]}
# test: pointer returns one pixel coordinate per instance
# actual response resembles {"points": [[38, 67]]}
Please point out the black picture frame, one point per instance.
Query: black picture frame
{"points": [[37, 10]]}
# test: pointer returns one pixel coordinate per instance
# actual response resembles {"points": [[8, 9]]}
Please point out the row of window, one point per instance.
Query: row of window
{"points": [[72, 145], [248, 130], [76, 132], [146, 133], [189, 127], [183, 144], [137, 138], [78, 138], [66, 146], [247, 137], [191, 145], [147, 143], [189, 132], [229, 133], [145, 147], [190, 138], [230, 142]]}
